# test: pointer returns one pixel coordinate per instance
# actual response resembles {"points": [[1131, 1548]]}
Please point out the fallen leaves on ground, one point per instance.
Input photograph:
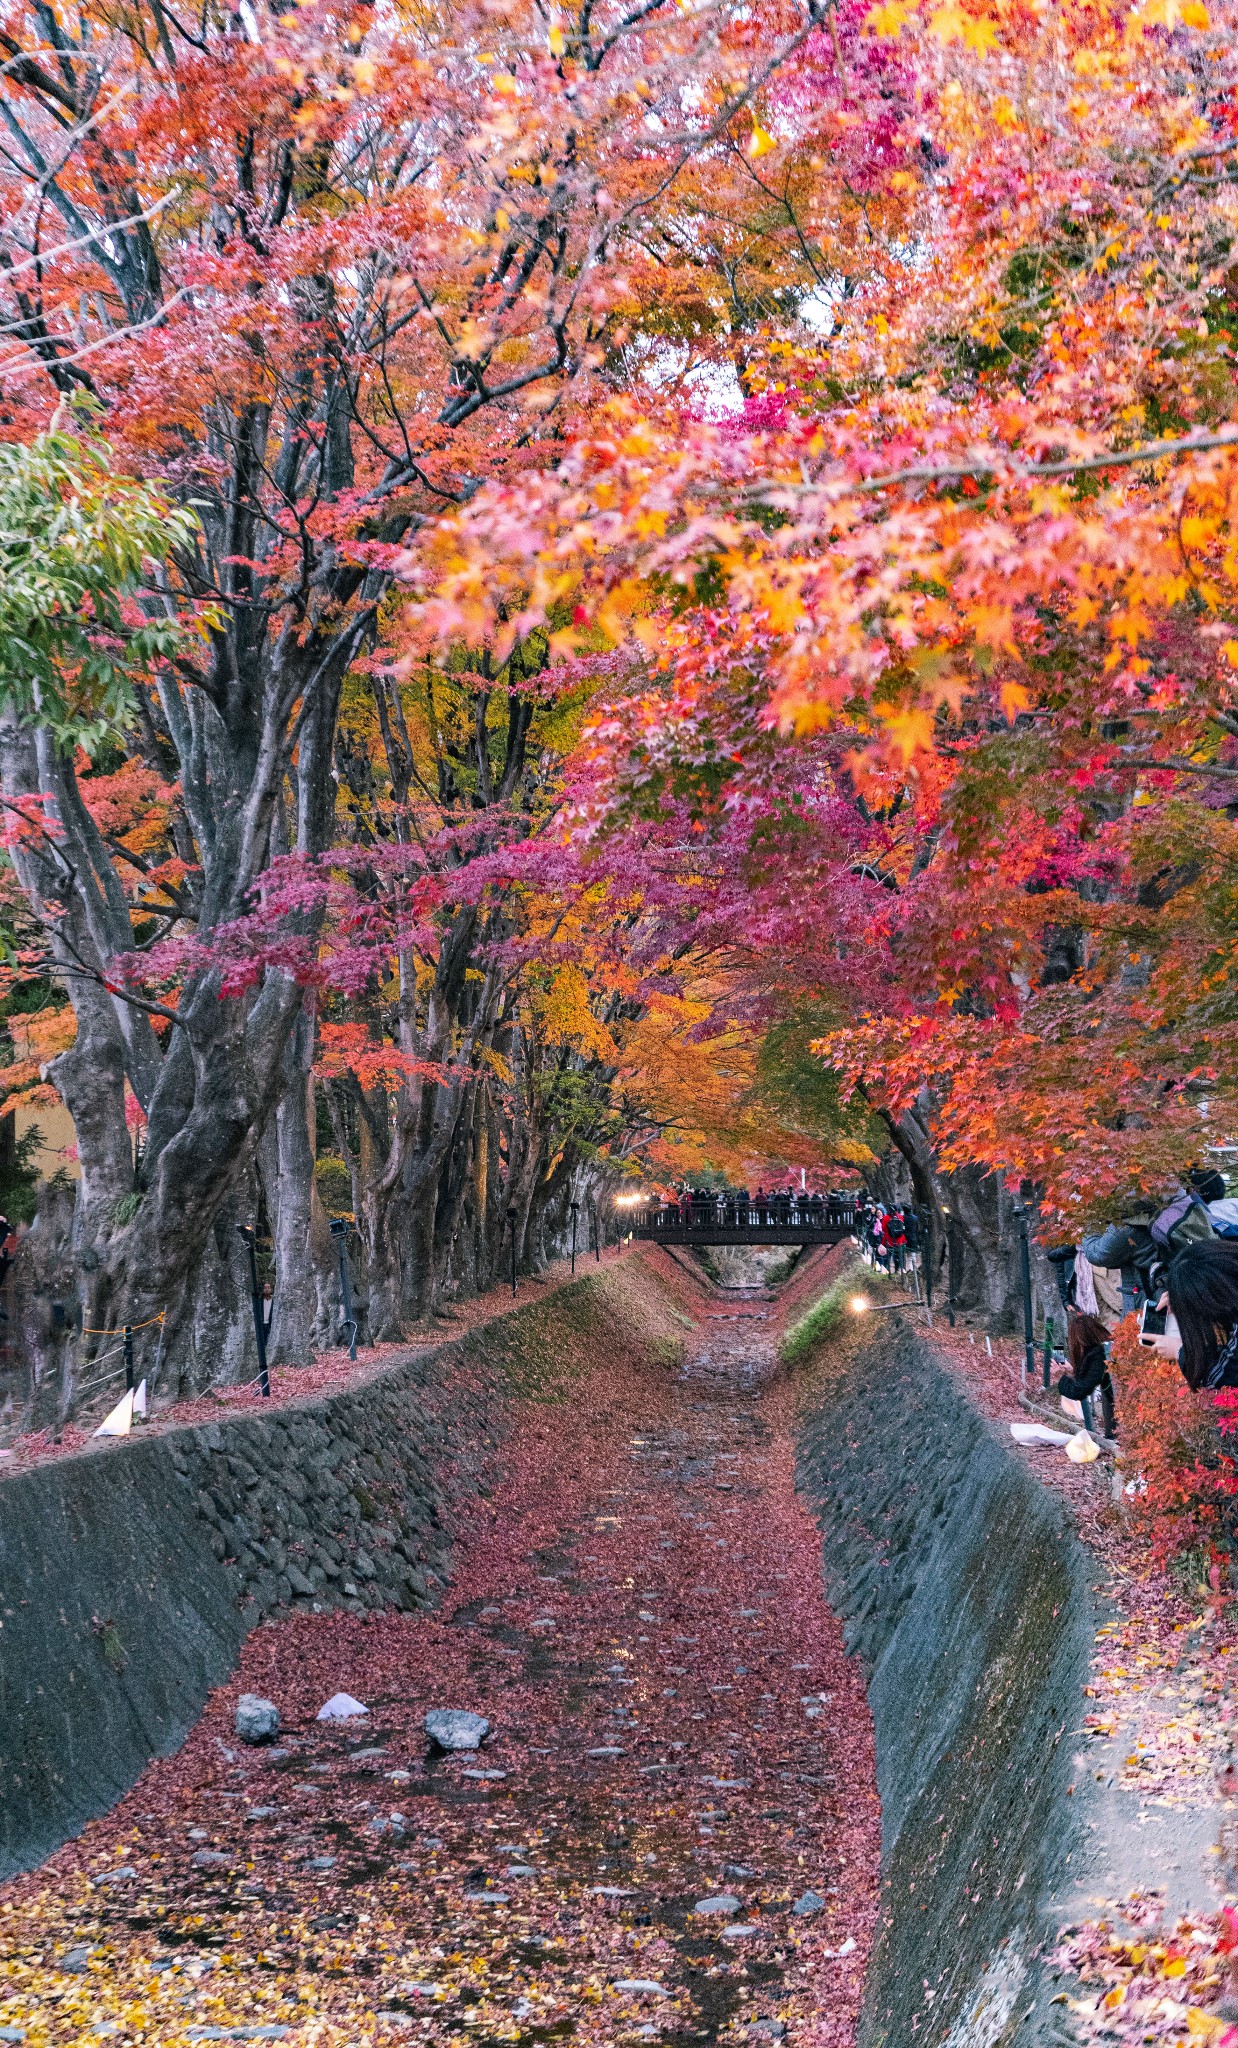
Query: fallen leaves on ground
{"points": [[672, 1832]]}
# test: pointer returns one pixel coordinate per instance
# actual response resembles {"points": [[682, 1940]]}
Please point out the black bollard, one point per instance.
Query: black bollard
{"points": [[340, 1227], [1029, 1327], [511, 1224], [249, 1235], [950, 1267], [575, 1208], [129, 1379]]}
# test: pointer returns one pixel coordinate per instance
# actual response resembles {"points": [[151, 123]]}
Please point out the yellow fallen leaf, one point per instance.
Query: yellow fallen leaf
{"points": [[888, 19], [760, 142]]}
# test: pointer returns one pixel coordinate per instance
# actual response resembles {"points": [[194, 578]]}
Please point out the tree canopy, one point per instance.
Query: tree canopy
{"points": [[648, 588]]}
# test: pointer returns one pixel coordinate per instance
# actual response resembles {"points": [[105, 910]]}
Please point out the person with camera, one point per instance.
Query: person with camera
{"points": [[1195, 1321]]}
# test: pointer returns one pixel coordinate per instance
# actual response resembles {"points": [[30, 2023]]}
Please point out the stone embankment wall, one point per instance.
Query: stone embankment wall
{"points": [[964, 1587], [131, 1573]]}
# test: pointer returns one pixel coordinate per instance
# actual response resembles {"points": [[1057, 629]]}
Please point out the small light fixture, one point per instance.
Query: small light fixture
{"points": [[858, 1304]]}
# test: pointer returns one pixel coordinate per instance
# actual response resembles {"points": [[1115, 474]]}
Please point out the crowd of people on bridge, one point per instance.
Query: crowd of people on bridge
{"points": [[737, 1205]]}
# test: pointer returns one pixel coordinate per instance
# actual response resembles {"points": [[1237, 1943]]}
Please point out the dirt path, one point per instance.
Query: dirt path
{"points": [[671, 1833]]}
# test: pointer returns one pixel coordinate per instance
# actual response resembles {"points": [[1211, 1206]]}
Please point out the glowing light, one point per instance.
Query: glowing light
{"points": [[629, 1201], [858, 1304]]}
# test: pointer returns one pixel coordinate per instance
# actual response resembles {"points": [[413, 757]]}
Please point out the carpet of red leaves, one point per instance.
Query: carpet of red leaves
{"points": [[638, 1611]]}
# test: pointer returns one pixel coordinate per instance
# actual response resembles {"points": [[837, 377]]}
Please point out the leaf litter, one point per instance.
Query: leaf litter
{"points": [[649, 1754]]}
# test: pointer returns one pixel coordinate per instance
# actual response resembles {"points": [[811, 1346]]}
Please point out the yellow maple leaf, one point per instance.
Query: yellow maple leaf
{"points": [[887, 19], [556, 40], [910, 731], [992, 625], [949, 24], [760, 142], [1015, 698]]}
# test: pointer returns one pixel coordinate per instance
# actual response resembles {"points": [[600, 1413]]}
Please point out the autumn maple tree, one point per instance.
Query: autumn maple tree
{"points": [[954, 565], [711, 536], [323, 275]]}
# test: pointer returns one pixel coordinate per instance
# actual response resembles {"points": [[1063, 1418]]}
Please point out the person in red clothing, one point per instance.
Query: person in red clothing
{"points": [[894, 1239]]}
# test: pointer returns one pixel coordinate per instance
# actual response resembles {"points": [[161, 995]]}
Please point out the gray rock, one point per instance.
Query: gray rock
{"points": [[320, 1862], [124, 1875], [12, 2034], [455, 1728], [210, 1859], [75, 1961], [808, 1902], [257, 1720], [721, 1902], [764, 2032], [640, 1986]]}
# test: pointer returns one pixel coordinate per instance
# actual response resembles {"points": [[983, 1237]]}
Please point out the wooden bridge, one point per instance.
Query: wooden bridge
{"points": [[723, 1220]]}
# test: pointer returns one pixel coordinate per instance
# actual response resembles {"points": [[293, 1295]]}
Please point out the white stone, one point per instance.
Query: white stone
{"points": [[342, 1707]]}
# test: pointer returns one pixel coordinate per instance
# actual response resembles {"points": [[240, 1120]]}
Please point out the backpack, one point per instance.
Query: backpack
{"points": [[1183, 1221]]}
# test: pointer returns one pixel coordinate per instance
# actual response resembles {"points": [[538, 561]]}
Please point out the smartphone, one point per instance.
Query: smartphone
{"points": [[1152, 1320]]}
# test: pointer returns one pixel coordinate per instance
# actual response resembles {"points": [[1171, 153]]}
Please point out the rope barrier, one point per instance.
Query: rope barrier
{"points": [[88, 1331]]}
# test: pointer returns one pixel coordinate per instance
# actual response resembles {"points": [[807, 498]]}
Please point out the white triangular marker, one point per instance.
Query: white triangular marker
{"points": [[120, 1421], [139, 1401]]}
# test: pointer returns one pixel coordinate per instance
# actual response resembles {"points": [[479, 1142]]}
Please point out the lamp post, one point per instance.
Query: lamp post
{"points": [[250, 1240], [575, 1209], [511, 1224], [339, 1230]]}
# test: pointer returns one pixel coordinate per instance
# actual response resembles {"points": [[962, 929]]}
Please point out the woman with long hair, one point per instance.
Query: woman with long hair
{"points": [[1202, 1284], [1087, 1346]]}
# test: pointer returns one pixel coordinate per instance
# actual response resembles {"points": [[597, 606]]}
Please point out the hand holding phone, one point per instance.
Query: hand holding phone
{"points": [[1158, 1329]]}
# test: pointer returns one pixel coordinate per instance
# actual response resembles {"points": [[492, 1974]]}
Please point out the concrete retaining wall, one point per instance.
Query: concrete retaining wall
{"points": [[131, 1573], [965, 1589]]}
